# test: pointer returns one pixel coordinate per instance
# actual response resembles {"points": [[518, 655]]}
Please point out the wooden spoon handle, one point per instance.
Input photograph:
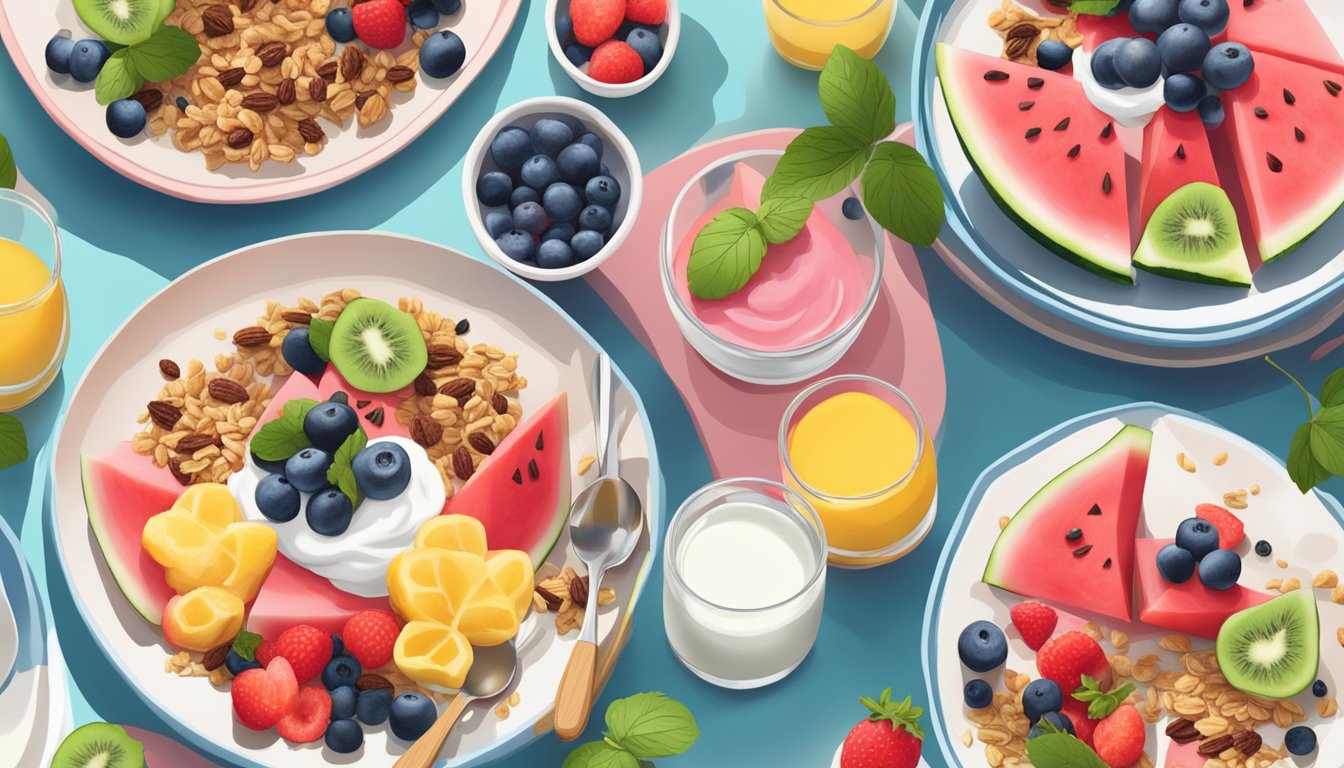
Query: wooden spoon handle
{"points": [[425, 750], [574, 698]]}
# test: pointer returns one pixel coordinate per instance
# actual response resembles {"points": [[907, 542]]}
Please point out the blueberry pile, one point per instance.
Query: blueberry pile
{"points": [[559, 199], [408, 715], [1192, 67], [1196, 549], [82, 60]]}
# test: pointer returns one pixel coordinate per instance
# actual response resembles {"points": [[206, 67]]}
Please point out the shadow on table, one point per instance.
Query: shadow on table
{"points": [[16, 483]]}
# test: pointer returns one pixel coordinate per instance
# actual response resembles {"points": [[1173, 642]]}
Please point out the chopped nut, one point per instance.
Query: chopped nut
{"points": [[586, 463], [1003, 522], [1184, 462], [1326, 579], [1337, 595], [1290, 585], [1281, 563], [1220, 459]]}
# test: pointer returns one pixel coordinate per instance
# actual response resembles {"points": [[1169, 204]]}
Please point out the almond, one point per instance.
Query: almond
{"points": [[462, 465], [443, 355], [482, 443], [253, 335], [226, 390], [317, 89], [352, 62], [459, 389], [426, 431], [578, 591], [169, 370], [309, 129], [165, 415], [218, 20], [240, 138], [286, 92], [500, 403]]}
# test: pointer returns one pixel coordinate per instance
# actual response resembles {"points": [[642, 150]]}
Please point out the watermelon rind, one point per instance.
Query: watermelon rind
{"points": [[1228, 266]]}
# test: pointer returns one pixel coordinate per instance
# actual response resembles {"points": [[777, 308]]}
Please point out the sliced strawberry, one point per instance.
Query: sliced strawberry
{"points": [[308, 720], [1231, 531]]}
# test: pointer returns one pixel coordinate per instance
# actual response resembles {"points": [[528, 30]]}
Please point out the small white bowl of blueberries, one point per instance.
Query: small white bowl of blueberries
{"points": [[552, 188]]}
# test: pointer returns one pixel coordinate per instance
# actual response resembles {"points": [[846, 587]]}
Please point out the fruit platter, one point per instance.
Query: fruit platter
{"points": [[1170, 194], [338, 491], [250, 101], [1149, 582]]}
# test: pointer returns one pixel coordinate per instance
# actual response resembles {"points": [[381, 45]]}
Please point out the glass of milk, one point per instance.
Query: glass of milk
{"points": [[744, 574]]}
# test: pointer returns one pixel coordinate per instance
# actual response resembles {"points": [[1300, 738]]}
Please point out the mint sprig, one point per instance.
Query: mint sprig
{"points": [[639, 728], [1316, 452], [1060, 750], [13, 441], [341, 473], [283, 436], [1094, 7], [1100, 703], [164, 55], [246, 644], [9, 170]]}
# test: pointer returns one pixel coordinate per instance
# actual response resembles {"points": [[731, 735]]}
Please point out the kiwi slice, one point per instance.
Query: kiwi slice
{"points": [[377, 347], [124, 22], [1273, 649], [1193, 235], [99, 745]]}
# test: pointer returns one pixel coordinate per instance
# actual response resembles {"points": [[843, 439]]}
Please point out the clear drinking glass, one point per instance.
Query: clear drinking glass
{"points": [[805, 32], [34, 317]]}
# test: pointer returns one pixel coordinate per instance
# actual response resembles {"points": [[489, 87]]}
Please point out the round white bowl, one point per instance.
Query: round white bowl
{"points": [[618, 154], [669, 34]]}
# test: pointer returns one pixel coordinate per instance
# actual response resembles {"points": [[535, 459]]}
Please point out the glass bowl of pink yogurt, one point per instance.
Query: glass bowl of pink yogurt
{"points": [[807, 303]]}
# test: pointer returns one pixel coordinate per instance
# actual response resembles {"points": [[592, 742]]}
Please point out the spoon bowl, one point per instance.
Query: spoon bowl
{"points": [[493, 669]]}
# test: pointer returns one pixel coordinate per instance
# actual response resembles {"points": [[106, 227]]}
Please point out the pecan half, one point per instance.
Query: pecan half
{"points": [[193, 443], [230, 78], [298, 318], [175, 466], [424, 385], [553, 601], [481, 442], [165, 415], [462, 466], [247, 5], [218, 20], [1247, 742], [327, 71], [443, 355], [261, 102], [1216, 746], [458, 389], [169, 369], [272, 53], [371, 681], [500, 403], [149, 98], [363, 97], [1183, 731], [352, 62], [309, 129], [426, 431], [399, 74], [253, 335], [226, 390], [578, 591], [317, 89], [286, 92], [1023, 30]]}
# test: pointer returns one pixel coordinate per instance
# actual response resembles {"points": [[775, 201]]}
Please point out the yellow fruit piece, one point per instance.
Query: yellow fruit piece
{"points": [[511, 571], [457, 533], [182, 536], [202, 619], [239, 560], [211, 503], [433, 655], [434, 584], [489, 618]]}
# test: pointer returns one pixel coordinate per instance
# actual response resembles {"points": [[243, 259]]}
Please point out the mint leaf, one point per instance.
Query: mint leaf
{"points": [[650, 725], [168, 53], [901, 192], [298, 408], [1305, 471], [245, 645], [1332, 391], [600, 754], [283, 436], [319, 337], [856, 96], [9, 171], [817, 164], [1094, 7], [118, 79], [782, 218], [13, 441], [1327, 439], [725, 255], [1101, 703], [341, 473], [1060, 750]]}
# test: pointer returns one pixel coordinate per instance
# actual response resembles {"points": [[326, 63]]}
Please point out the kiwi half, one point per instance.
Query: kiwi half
{"points": [[1273, 649], [124, 22], [99, 745], [1193, 235], [377, 347]]}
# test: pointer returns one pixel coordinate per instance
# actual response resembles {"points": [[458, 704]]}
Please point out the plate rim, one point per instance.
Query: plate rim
{"points": [[494, 751]]}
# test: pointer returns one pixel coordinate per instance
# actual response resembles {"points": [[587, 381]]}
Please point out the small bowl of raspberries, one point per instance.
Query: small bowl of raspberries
{"points": [[613, 48]]}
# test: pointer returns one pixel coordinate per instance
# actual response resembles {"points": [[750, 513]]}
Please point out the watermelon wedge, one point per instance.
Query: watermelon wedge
{"points": [[1284, 127], [1051, 160], [294, 595], [1191, 607], [1285, 28], [1037, 555]]}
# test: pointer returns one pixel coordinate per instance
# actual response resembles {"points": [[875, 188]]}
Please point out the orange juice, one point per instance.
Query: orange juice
{"points": [[34, 325], [805, 31]]}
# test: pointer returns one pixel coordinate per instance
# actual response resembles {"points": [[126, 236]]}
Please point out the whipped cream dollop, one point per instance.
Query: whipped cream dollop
{"points": [[1131, 107], [355, 561]]}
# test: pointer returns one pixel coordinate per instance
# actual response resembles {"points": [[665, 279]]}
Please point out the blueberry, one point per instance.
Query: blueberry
{"points": [[344, 736], [1153, 16], [1183, 47], [493, 189], [337, 646], [373, 706], [341, 25], [555, 254], [1059, 721], [277, 499], [1052, 54], [422, 14], [517, 245], [595, 218], [446, 7], [549, 136], [341, 671], [1138, 62], [522, 195], [603, 190], [852, 208], [1228, 66], [1194, 535], [592, 141], [531, 218], [329, 424], [87, 58], [562, 201], [603, 170], [1175, 564], [274, 467], [382, 470], [182, 103], [978, 694], [511, 148], [497, 223], [540, 172], [1220, 569], [1300, 740], [982, 646], [442, 54], [1103, 64], [562, 231], [578, 54], [58, 53], [126, 118], [1208, 15], [307, 469], [586, 244], [647, 45], [343, 702], [298, 352], [237, 665], [1319, 689], [1211, 112], [329, 512], [412, 714], [564, 28], [578, 162], [1040, 697], [1263, 548]]}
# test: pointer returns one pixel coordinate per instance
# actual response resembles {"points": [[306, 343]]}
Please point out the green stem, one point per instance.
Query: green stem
{"points": [[1305, 394]]}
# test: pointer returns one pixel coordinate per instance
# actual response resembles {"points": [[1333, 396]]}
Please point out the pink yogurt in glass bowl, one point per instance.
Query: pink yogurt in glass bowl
{"points": [[803, 308]]}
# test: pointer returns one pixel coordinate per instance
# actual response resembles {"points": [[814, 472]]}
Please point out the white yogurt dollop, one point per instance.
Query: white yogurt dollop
{"points": [[1130, 107], [355, 561]]}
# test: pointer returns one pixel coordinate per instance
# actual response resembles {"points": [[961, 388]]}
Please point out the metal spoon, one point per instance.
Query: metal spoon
{"points": [[492, 672], [604, 527]]}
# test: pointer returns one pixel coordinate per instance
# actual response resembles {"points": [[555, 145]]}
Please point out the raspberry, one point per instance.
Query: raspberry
{"points": [[306, 648], [1119, 738], [1035, 622], [646, 11], [309, 718], [261, 697], [370, 636], [615, 62], [264, 653], [1066, 658], [380, 23], [596, 21], [1231, 531]]}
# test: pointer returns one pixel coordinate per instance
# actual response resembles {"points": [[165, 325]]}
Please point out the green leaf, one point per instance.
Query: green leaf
{"points": [[245, 645], [168, 53], [298, 408], [725, 255], [1332, 391], [9, 171], [1101, 703], [651, 725], [817, 164], [856, 96], [1060, 750], [319, 337], [1327, 439], [118, 79], [13, 441], [341, 473], [283, 437], [599, 754], [782, 218], [1094, 7], [1305, 471], [901, 192]]}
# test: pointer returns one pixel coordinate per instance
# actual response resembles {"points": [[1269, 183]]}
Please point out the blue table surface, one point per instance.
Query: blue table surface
{"points": [[1005, 383]]}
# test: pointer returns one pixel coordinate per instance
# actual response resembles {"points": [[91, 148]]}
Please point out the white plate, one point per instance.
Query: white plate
{"points": [[228, 292], [27, 25], [9, 637], [1305, 530]]}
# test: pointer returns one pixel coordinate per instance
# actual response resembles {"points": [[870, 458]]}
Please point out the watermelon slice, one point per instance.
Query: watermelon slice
{"points": [[521, 493], [1285, 28], [1175, 153], [1101, 496], [1191, 607], [294, 595], [1051, 160], [1284, 126], [300, 386]]}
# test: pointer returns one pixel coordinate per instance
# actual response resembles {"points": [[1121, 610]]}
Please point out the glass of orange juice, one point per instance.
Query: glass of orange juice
{"points": [[805, 32], [857, 449], [34, 318]]}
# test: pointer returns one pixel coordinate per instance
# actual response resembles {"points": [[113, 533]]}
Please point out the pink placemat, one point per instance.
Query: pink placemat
{"points": [[737, 421]]}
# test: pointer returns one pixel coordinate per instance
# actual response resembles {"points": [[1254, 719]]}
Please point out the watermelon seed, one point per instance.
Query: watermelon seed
{"points": [[1106, 132], [1275, 164], [376, 416], [1299, 134], [1180, 151], [1033, 133], [1261, 113], [532, 470], [1082, 551], [1062, 125], [1025, 105], [539, 440], [1074, 534], [1247, 3], [1333, 87], [462, 327], [339, 397], [1288, 97], [994, 75], [1106, 564], [362, 404], [1075, 149], [1106, 183], [1095, 510], [517, 477], [1035, 83]]}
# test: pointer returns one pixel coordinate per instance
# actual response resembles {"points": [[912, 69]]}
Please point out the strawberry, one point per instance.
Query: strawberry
{"points": [[1231, 531], [891, 737], [380, 23], [1066, 658], [264, 653], [261, 697], [1035, 622], [309, 718], [306, 648], [1083, 725], [646, 11], [370, 637], [596, 21], [615, 62], [1119, 738]]}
